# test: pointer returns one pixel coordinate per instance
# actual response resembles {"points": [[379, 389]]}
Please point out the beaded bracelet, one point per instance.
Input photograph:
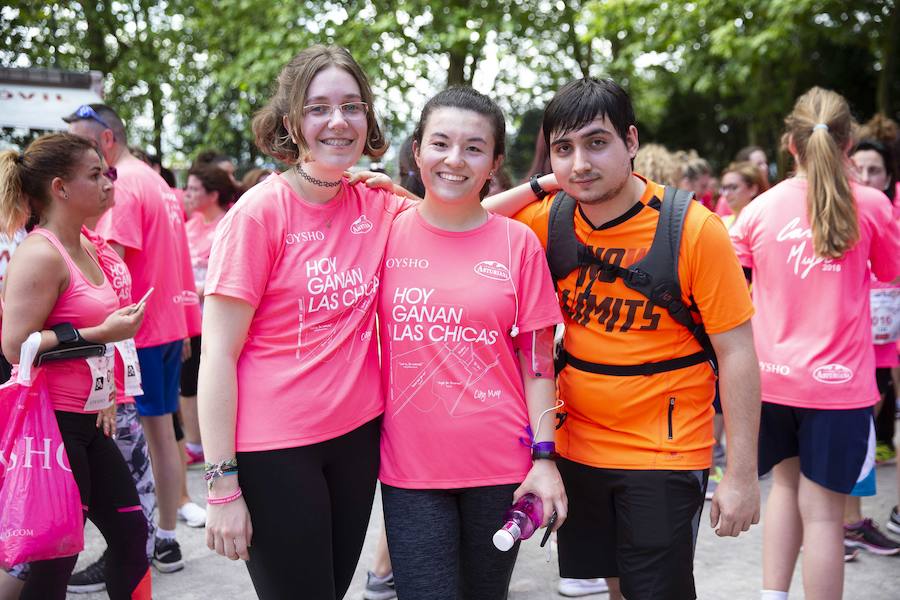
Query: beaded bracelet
{"points": [[226, 499], [221, 466], [214, 471]]}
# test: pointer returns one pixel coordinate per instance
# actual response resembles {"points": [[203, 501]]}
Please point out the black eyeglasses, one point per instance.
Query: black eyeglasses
{"points": [[111, 174]]}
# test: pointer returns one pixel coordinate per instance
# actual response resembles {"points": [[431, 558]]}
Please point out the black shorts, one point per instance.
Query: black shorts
{"points": [[190, 369], [640, 526], [833, 445]]}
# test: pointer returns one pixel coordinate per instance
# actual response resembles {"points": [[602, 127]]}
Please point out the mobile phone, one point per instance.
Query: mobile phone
{"points": [[549, 529], [143, 300]]}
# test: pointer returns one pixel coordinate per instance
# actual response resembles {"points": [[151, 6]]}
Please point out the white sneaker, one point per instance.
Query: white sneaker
{"points": [[192, 514], [574, 588]]}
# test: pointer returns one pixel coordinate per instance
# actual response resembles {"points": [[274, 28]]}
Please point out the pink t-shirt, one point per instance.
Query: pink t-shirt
{"points": [[886, 355], [812, 326], [148, 222], [83, 304], [200, 236], [308, 371], [455, 407], [118, 276], [722, 208]]}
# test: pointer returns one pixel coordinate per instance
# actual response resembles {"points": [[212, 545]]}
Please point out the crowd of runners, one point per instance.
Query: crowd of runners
{"points": [[626, 335]]}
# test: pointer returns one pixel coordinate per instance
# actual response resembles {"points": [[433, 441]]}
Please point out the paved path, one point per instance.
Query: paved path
{"points": [[726, 569]]}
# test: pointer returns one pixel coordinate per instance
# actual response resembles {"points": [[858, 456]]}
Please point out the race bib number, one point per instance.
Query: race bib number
{"points": [[103, 385], [128, 352], [885, 315]]}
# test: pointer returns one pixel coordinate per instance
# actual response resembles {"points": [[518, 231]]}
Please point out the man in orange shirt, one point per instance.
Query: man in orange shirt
{"points": [[636, 447]]}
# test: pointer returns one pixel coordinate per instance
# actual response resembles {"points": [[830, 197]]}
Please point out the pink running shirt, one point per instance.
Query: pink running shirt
{"points": [[200, 236], [812, 326], [83, 304], [455, 402], [308, 371], [118, 276], [147, 220]]}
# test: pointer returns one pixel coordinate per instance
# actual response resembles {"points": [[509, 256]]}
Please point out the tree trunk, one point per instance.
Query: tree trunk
{"points": [[456, 72], [888, 61], [156, 105], [581, 52]]}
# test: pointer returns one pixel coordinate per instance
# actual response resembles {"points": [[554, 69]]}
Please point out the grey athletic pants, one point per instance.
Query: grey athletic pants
{"points": [[441, 545]]}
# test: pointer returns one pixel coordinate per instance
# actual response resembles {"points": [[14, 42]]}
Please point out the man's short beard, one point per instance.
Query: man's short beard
{"points": [[607, 195]]}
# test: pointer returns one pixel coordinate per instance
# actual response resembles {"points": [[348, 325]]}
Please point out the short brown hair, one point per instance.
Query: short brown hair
{"points": [[748, 172], [214, 179], [293, 83]]}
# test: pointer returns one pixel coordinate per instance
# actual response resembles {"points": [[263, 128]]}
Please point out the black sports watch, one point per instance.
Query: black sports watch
{"points": [[537, 454], [540, 192], [66, 333]]}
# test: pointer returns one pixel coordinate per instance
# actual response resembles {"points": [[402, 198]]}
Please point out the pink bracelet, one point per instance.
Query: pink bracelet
{"points": [[226, 499]]}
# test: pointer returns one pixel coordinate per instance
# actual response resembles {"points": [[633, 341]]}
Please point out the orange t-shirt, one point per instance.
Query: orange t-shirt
{"points": [[624, 422]]}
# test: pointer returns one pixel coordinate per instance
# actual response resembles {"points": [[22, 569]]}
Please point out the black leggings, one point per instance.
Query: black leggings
{"points": [[885, 420], [108, 492], [441, 543], [309, 507]]}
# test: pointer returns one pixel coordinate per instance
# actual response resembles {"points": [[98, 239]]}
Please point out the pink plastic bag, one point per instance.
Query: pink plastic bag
{"points": [[40, 507]]}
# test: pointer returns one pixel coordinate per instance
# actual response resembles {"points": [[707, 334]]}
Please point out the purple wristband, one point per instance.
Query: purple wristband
{"points": [[544, 446]]}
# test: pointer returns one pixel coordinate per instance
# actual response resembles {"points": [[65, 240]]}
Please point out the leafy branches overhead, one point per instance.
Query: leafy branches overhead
{"points": [[409, 48], [753, 58], [129, 42], [712, 74]]}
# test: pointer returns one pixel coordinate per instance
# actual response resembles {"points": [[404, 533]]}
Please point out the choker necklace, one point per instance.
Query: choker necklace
{"points": [[313, 180]]}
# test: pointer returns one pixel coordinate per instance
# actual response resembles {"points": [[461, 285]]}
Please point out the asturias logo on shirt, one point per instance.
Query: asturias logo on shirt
{"points": [[492, 270], [833, 373], [361, 225]]}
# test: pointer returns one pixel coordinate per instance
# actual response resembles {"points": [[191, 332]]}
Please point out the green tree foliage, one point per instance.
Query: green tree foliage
{"points": [[726, 73], [129, 42], [409, 49], [708, 74]]}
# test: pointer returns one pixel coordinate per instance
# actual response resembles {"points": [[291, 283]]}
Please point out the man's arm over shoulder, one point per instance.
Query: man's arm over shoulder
{"points": [[514, 200]]}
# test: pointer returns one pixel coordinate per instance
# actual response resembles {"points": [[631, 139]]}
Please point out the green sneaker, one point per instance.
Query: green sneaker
{"points": [[884, 454], [715, 478]]}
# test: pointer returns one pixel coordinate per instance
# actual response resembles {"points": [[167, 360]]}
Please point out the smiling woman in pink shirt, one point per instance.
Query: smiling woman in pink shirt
{"points": [[811, 243], [289, 386], [466, 312]]}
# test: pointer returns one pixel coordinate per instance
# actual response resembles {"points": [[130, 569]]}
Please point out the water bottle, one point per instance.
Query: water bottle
{"points": [[522, 519]]}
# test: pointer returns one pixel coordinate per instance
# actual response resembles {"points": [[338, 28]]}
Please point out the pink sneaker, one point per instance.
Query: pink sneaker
{"points": [[194, 459]]}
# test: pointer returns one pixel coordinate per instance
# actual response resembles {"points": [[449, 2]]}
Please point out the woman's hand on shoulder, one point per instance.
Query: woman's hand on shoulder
{"points": [[372, 179], [380, 181]]}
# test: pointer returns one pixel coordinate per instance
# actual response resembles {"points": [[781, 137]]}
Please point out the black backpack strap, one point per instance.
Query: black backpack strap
{"points": [[656, 275], [650, 368], [565, 252]]}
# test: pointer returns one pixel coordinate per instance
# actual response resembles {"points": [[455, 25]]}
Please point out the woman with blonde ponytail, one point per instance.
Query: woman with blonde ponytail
{"points": [[54, 285], [811, 244]]}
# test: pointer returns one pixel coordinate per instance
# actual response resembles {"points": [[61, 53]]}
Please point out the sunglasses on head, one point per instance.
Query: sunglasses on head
{"points": [[86, 112]]}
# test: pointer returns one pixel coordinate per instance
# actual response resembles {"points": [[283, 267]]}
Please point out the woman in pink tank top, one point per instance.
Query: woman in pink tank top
{"points": [[56, 286]]}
